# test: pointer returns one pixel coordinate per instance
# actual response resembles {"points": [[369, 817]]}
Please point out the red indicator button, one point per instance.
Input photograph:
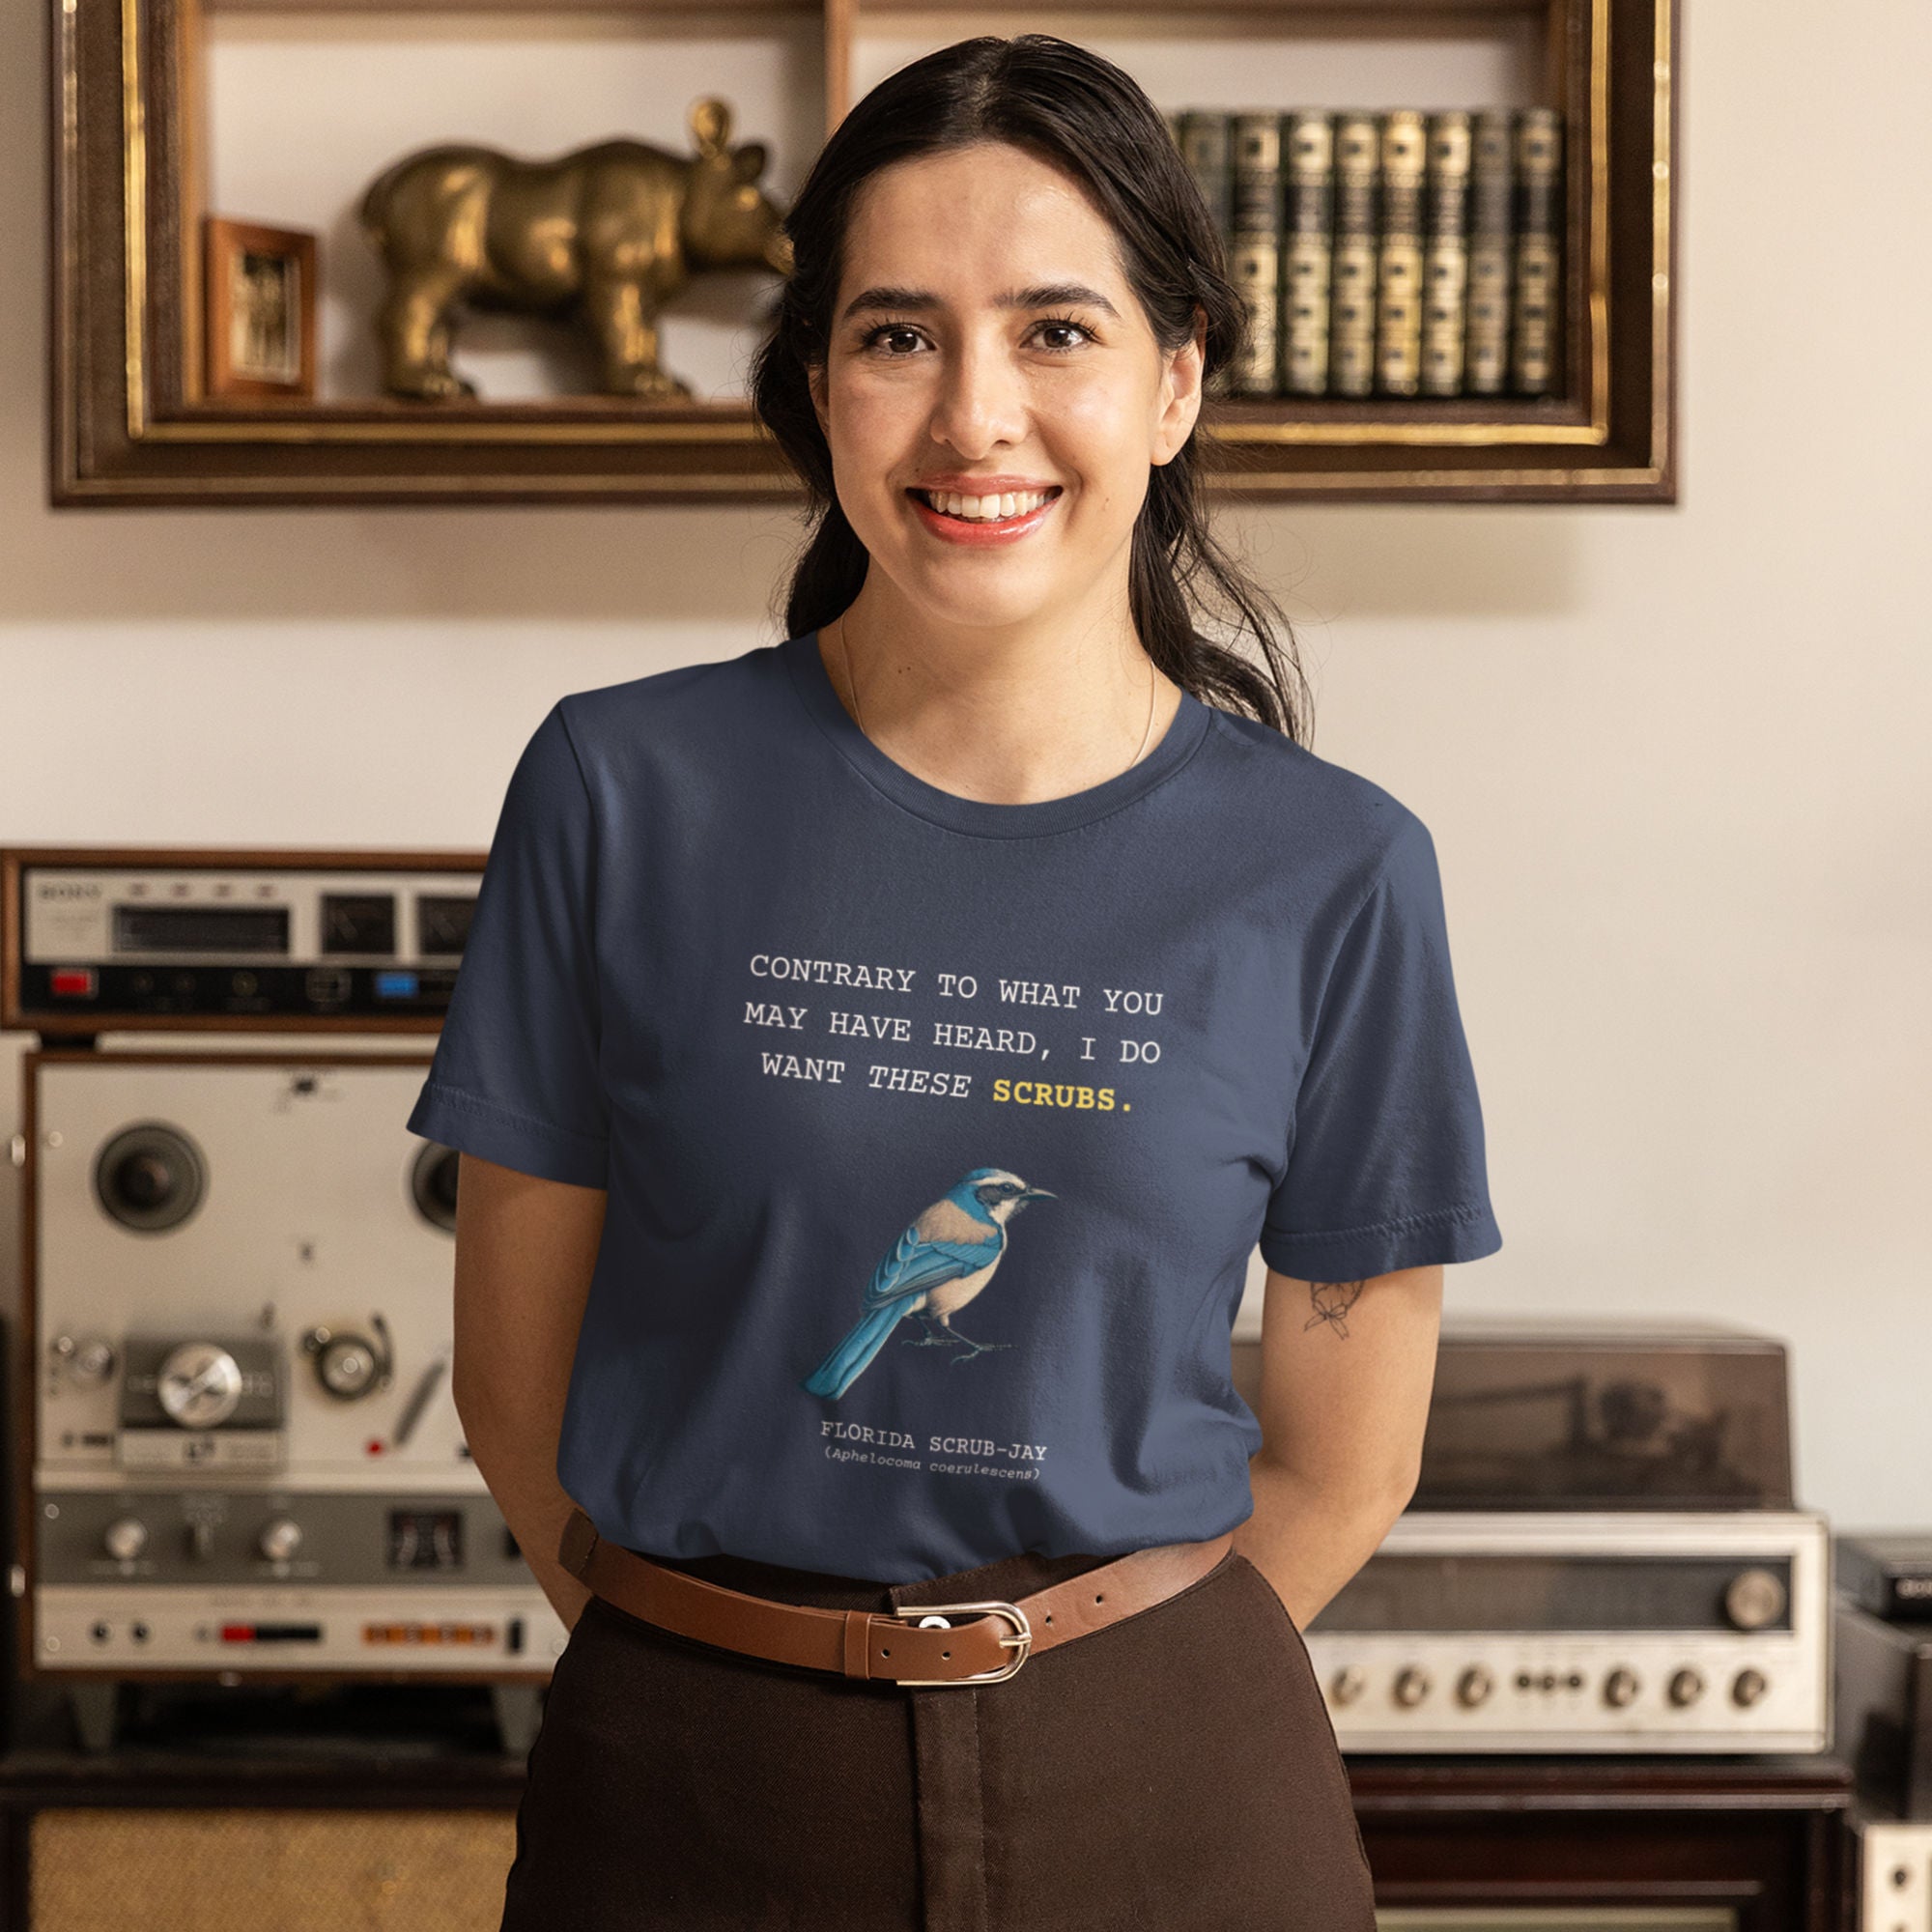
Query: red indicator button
{"points": [[75, 982], [238, 1632]]}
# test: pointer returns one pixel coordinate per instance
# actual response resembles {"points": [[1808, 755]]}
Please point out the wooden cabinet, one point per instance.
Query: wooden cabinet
{"points": [[130, 109], [1672, 1845], [421, 1837]]}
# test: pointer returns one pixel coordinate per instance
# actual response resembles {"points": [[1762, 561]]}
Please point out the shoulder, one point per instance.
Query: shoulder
{"points": [[692, 701], [1309, 804]]}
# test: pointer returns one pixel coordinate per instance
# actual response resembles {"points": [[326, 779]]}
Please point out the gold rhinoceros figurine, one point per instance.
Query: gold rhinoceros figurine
{"points": [[612, 230]]}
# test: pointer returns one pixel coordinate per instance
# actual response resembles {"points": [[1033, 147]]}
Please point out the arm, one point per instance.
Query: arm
{"points": [[1346, 1369], [524, 1251]]}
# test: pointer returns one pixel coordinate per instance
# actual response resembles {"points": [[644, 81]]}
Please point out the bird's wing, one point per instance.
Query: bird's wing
{"points": [[921, 1261]]}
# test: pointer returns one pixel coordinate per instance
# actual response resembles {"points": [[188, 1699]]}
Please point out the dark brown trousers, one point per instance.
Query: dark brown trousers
{"points": [[1177, 1770]]}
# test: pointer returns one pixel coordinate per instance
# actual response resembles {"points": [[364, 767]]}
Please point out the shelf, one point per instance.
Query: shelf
{"points": [[130, 104]]}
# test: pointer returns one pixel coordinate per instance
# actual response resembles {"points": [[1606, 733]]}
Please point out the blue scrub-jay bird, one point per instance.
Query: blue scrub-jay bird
{"points": [[941, 1261]]}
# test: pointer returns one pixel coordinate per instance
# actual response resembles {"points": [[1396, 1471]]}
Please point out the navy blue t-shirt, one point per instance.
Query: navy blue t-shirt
{"points": [[938, 1134]]}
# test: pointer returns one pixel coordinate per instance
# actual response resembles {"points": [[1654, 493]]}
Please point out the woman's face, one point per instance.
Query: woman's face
{"points": [[985, 343]]}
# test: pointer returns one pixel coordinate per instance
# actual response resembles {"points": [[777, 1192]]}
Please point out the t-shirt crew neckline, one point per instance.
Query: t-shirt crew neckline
{"points": [[1183, 737]]}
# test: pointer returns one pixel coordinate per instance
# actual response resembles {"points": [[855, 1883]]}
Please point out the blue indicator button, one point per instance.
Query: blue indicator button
{"points": [[397, 986]]}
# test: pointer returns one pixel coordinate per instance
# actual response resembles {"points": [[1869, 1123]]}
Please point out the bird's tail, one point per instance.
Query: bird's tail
{"points": [[844, 1365]]}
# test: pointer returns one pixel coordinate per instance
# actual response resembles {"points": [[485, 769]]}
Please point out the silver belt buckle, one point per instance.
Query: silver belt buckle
{"points": [[930, 1617]]}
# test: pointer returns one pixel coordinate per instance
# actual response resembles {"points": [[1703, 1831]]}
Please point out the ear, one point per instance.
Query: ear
{"points": [[747, 162], [1180, 392], [710, 124]]}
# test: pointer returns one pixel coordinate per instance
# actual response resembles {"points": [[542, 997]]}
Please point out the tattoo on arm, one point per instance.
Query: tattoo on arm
{"points": [[1332, 1301]]}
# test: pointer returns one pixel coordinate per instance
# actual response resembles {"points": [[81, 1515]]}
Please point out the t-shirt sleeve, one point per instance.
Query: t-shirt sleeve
{"points": [[1385, 1167], [515, 1077]]}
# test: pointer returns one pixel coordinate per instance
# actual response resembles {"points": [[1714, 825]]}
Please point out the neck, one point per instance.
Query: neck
{"points": [[1006, 715]]}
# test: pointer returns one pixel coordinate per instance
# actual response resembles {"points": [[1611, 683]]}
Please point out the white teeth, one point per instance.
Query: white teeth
{"points": [[986, 509]]}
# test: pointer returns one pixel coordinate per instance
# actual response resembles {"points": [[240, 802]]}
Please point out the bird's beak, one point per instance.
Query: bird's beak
{"points": [[1039, 1194]]}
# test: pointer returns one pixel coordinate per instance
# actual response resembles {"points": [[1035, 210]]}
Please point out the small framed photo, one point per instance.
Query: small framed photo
{"points": [[259, 317]]}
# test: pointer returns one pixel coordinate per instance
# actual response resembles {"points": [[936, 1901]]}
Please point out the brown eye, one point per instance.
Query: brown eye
{"points": [[1058, 324]]}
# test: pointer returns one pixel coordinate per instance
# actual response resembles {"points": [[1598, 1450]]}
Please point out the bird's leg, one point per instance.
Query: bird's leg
{"points": [[928, 1340], [977, 1348]]}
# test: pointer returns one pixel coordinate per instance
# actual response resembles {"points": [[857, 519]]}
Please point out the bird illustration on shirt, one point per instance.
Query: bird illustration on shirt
{"points": [[945, 1257]]}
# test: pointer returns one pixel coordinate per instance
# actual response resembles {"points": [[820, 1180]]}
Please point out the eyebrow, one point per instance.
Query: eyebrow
{"points": [[1041, 295]]}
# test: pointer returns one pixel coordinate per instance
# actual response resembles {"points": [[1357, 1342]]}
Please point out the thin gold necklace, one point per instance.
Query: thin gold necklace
{"points": [[859, 710]]}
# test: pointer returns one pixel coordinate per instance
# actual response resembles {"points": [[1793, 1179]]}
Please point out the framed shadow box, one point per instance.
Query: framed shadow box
{"points": [[135, 421]]}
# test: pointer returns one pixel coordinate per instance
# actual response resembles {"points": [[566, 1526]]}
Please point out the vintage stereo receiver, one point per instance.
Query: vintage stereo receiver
{"points": [[243, 1455], [238, 1454], [97, 939], [1883, 1672], [1602, 1554], [1889, 1573], [1894, 1875]]}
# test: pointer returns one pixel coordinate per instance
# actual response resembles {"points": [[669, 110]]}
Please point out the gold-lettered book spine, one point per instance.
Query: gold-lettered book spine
{"points": [[1445, 262], [1351, 319], [1492, 253], [1255, 255], [1539, 167], [1205, 135], [1309, 139], [1399, 264]]}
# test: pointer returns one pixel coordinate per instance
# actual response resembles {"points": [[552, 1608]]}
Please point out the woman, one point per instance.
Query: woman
{"points": [[876, 1058]]}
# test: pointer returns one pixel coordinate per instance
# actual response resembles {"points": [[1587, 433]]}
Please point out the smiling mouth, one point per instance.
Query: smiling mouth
{"points": [[1001, 509]]}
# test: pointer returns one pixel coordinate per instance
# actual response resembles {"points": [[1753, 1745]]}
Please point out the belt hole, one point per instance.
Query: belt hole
{"points": [[1098, 1598]]}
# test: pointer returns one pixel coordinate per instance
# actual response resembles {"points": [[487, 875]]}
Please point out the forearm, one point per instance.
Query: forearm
{"points": [[1307, 1538], [513, 1439]]}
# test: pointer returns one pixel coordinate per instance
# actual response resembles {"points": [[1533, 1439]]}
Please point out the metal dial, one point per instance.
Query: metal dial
{"points": [[280, 1539], [125, 1538], [1687, 1687], [1620, 1688], [199, 1384], [349, 1366], [1754, 1598], [1411, 1686]]}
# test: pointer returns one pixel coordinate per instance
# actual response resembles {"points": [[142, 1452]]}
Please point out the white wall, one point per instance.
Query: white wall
{"points": [[1674, 759]]}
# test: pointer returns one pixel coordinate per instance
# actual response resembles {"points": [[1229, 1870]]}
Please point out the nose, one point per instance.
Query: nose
{"points": [[980, 401]]}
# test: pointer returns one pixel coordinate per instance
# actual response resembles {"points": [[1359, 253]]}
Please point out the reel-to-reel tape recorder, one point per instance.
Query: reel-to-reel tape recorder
{"points": [[240, 1458]]}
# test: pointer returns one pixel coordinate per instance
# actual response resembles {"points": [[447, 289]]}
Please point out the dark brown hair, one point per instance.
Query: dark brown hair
{"points": [[1089, 118]]}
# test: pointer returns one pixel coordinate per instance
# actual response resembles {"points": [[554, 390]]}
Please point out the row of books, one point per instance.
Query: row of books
{"points": [[1400, 253]]}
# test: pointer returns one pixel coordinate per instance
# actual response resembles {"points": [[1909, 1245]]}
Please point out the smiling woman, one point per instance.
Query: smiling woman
{"points": [[987, 369], [938, 1577]]}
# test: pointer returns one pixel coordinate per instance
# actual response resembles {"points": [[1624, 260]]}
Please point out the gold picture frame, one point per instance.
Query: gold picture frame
{"points": [[259, 300]]}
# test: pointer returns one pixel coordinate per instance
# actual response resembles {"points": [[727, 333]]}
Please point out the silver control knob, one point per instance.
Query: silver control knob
{"points": [[1687, 1687], [1754, 1598], [199, 1384], [1411, 1686], [92, 1362], [1748, 1686], [280, 1539], [1347, 1684], [1620, 1688], [125, 1539], [1473, 1686]]}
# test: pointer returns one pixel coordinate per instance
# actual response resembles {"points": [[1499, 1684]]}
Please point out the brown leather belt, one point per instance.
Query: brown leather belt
{"points": [[918, 1644]]}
